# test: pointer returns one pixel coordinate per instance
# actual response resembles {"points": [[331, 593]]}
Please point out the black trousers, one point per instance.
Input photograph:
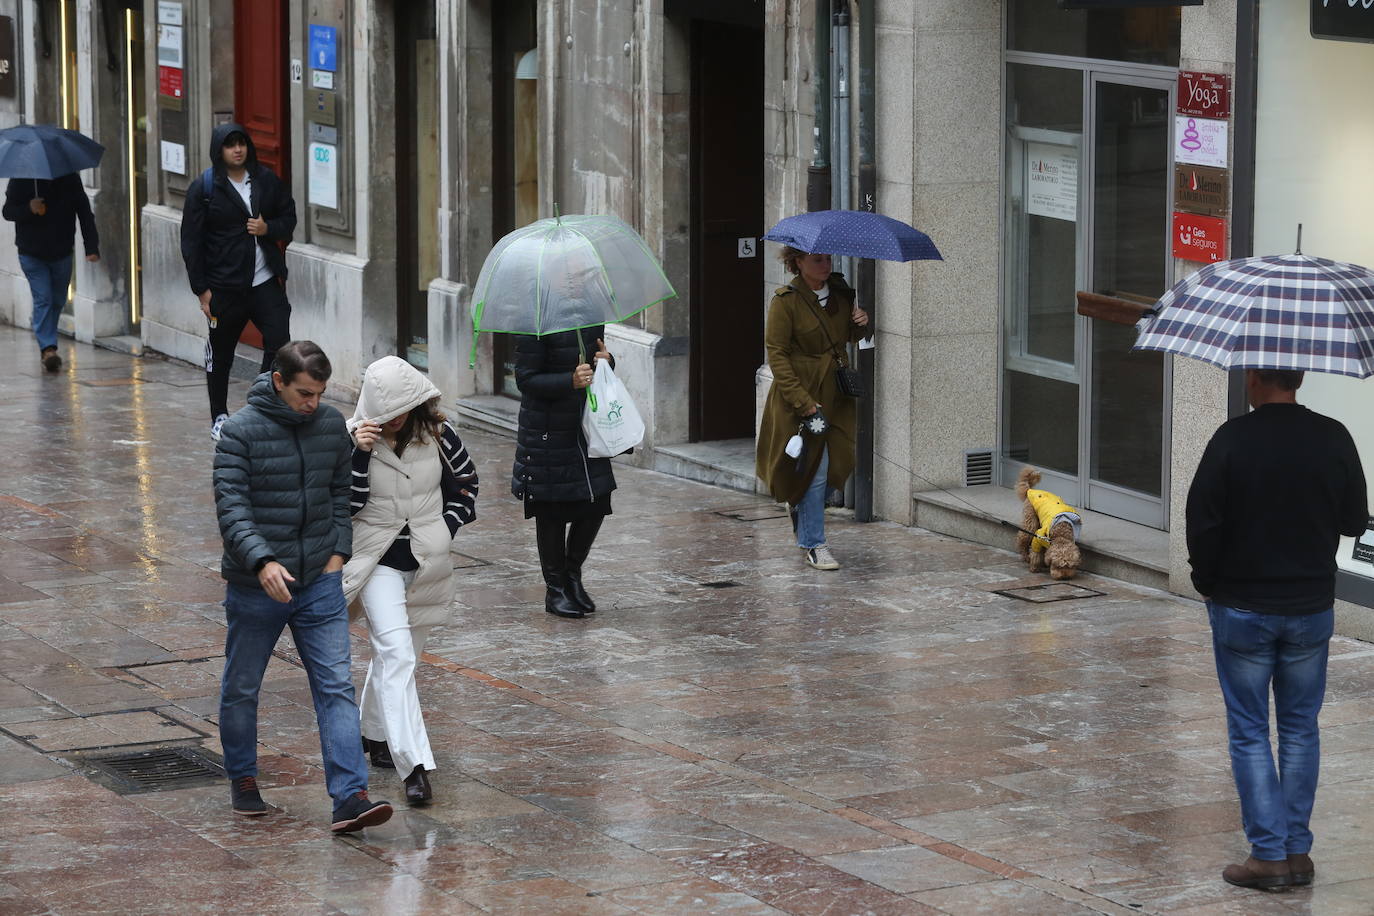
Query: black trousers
{"points": [[267, 307]]}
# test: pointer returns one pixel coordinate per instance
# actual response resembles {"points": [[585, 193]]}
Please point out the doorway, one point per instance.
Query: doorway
{"points": [[727, 203], [514, 147], [417, 175], [1087, 208], [261, 79]]}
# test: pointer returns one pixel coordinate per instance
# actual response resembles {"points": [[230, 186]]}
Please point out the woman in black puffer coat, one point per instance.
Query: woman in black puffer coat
{"points": [[567, 493]]}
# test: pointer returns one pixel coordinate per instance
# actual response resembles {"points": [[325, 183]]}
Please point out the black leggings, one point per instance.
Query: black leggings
{"points": [[267, 307], [565, 545]]}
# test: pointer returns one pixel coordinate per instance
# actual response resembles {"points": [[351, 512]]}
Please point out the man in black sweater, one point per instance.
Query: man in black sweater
{"points": [[1274, 491], [45, 213]]}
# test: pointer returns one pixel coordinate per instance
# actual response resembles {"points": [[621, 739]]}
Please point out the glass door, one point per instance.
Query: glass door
{"points": [[1129, 259], [1087, 208]]}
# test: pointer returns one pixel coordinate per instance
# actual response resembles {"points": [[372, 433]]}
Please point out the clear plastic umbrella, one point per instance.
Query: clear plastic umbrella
{"points": [[567, 272]]}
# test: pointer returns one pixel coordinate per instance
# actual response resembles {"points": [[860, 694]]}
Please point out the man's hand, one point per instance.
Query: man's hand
{"points": [[366, 436], [860, 317], [38, 206], [273, 578], [257, 226], [92, 258], [335, 564], [601, 351], [205, 304]]}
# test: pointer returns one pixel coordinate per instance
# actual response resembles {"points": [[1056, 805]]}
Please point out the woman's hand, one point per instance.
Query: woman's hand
{"points": [[601, 351], [582, 375], [366, 435], [812, 411], [859, 317]]}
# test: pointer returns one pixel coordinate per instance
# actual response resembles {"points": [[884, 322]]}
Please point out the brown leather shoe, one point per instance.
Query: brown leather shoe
{"points": [[1301, 867], [1259, 873]]}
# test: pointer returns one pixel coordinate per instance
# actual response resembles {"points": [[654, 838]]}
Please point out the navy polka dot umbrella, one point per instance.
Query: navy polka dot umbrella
{"points": [[856, 234]]}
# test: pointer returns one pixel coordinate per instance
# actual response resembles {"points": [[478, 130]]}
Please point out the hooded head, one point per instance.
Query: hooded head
{"points": [[220, 135], [391, 387]]}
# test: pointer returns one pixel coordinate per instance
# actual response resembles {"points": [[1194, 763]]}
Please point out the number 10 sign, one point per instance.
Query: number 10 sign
{"points": [[323, 188]]}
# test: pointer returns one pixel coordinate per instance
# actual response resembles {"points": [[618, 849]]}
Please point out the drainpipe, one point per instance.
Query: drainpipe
{"points": [[867, 285], [818, 175], [839, 76]]}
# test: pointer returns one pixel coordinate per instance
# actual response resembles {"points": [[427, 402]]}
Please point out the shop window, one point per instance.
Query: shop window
{"points": [[1140, 35]]}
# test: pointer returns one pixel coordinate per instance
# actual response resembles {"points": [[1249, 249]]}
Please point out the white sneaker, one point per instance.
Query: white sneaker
{"points": [[821, 558], [216, 426]]}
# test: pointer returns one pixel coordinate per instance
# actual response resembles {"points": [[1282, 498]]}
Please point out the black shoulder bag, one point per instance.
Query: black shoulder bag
{"points": [[847, 378]]}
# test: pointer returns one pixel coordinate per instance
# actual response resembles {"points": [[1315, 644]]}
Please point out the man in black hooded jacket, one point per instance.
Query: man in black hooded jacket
{"points": [[233, 228]]}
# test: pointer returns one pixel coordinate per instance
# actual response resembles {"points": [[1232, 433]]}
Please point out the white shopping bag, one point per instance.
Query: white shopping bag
{"points": [[610, 421]]}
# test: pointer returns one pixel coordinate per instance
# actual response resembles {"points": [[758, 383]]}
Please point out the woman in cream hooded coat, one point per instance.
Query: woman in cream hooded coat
{"points": [[414, 486]]}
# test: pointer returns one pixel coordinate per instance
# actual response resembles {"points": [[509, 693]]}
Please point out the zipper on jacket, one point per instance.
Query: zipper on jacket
{"points": [[586, 470], [305, 508]]}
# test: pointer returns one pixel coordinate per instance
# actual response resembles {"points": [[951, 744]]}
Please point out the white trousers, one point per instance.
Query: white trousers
{"points": [[390, 705]]}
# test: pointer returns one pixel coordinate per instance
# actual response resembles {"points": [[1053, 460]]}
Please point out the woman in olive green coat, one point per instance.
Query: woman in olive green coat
{"points": [[803, 359]]}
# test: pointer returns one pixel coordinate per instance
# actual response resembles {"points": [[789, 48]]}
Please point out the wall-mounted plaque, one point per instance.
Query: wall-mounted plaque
{"points": [[1206, 95], [1201, 189]]}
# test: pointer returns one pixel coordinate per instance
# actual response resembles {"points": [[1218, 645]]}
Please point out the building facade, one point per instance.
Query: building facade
{"points": [[1036, 141]]}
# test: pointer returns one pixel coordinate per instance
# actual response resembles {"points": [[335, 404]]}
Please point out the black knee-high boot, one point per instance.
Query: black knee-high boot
{"points": [[553, 558], [581, 535]]}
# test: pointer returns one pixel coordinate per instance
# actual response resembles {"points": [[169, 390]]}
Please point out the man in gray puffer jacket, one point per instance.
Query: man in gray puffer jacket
{"points": [[283, 475]]}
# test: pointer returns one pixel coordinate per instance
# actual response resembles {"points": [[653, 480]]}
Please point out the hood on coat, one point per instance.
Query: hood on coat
{"points": [[217, 138], [391, 386], [263, 395]]}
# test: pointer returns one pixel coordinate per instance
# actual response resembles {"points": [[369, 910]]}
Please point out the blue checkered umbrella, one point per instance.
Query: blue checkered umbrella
{"points": [[1278, 312], [855, 233]]}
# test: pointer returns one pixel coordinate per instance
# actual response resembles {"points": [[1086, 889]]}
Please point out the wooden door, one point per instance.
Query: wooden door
{"points": [[727, 308], [261, 79]]}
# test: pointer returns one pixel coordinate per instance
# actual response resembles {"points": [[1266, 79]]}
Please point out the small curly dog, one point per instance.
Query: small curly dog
{"points": [[1056, 525]]}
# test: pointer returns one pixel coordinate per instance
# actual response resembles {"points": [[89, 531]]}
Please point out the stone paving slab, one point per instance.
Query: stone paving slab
{"points": [[732, 732]]}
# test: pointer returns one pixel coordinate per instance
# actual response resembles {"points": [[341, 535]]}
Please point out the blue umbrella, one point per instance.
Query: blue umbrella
{"points": [[856, 233], [44, 151]]}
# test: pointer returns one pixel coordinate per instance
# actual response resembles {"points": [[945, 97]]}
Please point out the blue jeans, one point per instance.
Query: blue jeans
{"points": [[811, 509], [48, 282], [1252, 651], [318, 619]]}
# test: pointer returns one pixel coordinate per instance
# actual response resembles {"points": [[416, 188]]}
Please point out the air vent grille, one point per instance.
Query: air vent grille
{"points": [[978, 467]]}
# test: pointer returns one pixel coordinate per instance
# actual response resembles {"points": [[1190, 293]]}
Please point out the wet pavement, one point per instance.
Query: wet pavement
{"points": [[731, 733]]}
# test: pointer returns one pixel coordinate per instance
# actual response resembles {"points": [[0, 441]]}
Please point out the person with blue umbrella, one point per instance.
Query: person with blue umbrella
{"points": [[45, 200]]}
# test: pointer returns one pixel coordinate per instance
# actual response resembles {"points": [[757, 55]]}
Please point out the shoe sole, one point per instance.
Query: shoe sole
{"points": [[379, 814], [1302, 880], [1272, 883], [245, 813]]}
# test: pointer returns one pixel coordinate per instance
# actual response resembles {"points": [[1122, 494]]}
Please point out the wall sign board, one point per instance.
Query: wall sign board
{"points": [[7, 86], [1200, 141], [1205, 95], [1199, 238], [322, 187], [324, 48], [169, 82], [1343, 20], [1052, 181], [1200, 189]]}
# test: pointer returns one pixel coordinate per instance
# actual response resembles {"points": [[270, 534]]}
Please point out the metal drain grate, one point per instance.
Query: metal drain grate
{"points": [[755, 513], [155, 769], [1050, 591]]}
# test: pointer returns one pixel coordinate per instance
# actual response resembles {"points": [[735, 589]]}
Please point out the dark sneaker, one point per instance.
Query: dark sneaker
{"points": [[357, 813], [246, 798], [51, 361]]}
